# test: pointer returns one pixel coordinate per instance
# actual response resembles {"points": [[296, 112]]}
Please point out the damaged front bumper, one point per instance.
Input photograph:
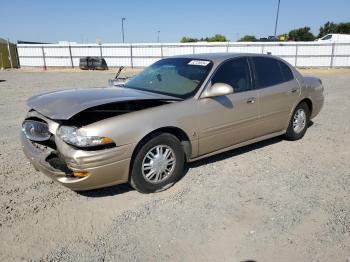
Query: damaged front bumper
{"points": [[103, 167]]}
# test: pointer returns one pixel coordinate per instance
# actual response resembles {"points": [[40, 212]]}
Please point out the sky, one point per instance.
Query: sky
{"points": [[85, 20]]}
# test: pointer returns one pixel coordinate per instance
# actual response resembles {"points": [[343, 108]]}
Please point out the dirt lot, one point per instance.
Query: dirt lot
{"points": [[272, 201]]}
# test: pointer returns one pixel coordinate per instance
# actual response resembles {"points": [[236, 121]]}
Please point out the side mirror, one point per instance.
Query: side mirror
{"points": [[218, 89]]}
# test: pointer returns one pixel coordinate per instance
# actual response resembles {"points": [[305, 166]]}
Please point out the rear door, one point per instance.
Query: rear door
{"points": [[228, 120], [278, 91]]}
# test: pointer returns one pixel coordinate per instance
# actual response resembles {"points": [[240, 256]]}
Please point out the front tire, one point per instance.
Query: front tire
{"points": [[299, 122], [157, 164]]}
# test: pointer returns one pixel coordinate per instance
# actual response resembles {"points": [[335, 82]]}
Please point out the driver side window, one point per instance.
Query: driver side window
{"points": [[235, 73]]}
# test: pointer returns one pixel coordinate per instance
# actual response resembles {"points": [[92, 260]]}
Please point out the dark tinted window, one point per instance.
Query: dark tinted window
{"points": [[235, 73], [268, 71], [327, 37], [287, 73]]}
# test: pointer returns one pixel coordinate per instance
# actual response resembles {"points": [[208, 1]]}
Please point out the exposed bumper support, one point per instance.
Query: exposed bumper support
{"points": [[105, 167]]}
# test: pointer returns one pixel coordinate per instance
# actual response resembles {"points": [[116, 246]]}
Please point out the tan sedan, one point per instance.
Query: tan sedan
{"points": [[177, 110]]}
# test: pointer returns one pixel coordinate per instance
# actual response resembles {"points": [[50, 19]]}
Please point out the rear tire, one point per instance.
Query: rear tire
{"points": [[299, 122], [158, 164]]}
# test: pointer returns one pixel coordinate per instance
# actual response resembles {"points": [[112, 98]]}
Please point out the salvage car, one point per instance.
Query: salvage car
{"points": [[177, 110]]}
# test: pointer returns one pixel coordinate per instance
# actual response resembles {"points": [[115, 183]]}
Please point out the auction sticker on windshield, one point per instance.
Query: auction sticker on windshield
{"points": [[199, 62]]}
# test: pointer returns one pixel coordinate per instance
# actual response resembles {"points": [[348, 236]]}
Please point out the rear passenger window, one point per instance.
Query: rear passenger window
{"points": [[287, 73], [268, 71]]}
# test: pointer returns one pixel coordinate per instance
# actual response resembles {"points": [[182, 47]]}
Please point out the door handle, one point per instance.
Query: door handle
{"points": [[251, 100], [294, 90]]}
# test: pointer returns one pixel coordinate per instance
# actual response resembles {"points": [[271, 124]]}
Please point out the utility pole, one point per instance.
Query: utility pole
{"points": [[278, 10], [123, 19], [158, 36], [9, 50]]}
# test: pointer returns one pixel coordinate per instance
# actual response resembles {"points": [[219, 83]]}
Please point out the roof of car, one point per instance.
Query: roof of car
{"points": [[219, 57]]}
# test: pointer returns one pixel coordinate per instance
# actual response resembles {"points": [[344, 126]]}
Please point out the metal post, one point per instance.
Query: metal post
{"points": [[70, 55], [193, 49], [100, 50], [278, 10], [17, 58], [262, 49], [332, 56], [9, 49], [296, 55], [123, 19], [44, 60], [131, 59], [158, 36], [228, 43], [161, 51]]}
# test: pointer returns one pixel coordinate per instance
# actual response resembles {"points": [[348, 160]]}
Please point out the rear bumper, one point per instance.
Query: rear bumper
{"points": [[105, 167]]}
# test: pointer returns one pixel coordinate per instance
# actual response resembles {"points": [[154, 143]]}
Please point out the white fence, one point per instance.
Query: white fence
{"points": [[300, 54]]}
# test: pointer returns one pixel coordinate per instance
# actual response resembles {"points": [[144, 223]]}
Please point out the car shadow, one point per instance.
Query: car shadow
{"points": [[224, 101], [107, 191], [2, 80], [124, 188], [235, 152]]}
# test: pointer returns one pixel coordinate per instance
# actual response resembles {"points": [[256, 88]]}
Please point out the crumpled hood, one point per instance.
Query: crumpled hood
{"points": [[62, 105]]}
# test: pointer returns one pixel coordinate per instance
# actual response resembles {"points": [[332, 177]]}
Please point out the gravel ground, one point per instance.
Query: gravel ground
{"points": [[271, 201]]}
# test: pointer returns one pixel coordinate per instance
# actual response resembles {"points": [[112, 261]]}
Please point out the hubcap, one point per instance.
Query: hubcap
{"points": [[299, 121], [158, 164]]}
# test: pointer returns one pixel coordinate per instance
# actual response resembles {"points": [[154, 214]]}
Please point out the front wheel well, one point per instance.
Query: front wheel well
{"points": [[177, 132]]}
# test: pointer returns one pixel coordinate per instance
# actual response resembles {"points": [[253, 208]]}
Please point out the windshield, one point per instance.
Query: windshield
{"points": [[179, 77]]}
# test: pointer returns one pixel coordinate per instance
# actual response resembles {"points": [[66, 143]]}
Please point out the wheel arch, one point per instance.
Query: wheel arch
{"points": [[308, 101], [176, 131]]}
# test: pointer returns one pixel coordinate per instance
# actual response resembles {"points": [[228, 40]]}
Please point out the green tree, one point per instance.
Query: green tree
{"points": [[188, 40], [247, 38], [301, 34], [215, 38], [330, 27]]}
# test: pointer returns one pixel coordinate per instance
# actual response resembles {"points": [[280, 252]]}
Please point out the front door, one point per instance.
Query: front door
{"points": [[232, 119]]}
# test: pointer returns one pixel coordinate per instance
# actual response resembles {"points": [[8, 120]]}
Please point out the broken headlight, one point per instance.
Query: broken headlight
{"points": [[72, 136]]}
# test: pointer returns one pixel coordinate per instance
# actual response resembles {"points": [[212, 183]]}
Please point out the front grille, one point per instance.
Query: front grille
{"points": [[35, 130]]}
